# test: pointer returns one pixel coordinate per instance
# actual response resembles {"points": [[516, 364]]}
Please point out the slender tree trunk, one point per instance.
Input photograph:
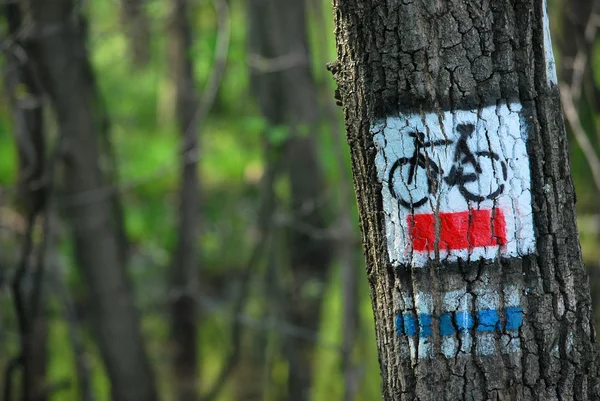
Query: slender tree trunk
{"points": [[137, 30], [58, 285], [250, 374], [183, 272], [284, 88], [26, 104], [347, 252], [348, 244], [56, 47], [466, 201]]}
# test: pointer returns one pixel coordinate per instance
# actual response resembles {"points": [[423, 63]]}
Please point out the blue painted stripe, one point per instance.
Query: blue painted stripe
{"points": [[514, 318], [449, 323], [447, 328], [425, 329], [399, 325], [410, 326], [464, 321], [487, 320]]}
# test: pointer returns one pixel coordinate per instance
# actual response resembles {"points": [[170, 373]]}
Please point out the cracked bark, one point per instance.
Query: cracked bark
{"points": [[421, 56]]}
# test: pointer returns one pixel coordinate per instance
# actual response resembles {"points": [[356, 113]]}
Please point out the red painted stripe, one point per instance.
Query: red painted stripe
{"points": [[461, 230]]}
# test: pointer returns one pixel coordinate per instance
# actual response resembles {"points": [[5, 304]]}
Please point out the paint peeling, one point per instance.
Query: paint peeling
{"points": [[456, 185]]}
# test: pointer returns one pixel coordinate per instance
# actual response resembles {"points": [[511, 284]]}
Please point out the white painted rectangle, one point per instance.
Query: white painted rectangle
{"points": [[461, 162]]}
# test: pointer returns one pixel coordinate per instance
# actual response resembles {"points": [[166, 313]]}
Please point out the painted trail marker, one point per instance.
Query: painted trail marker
{"points": [[456, 184], [493, 326]]}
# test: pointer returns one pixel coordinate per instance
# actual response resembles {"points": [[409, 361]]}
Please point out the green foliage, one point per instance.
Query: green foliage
{"points": [[278, 134]]}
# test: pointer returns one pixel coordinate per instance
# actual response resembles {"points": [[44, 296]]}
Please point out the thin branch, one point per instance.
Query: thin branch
{"points": [[237, 323], [220, 308], [265, 225], [11, 369], [580, 136], [82, 368], [20, 306], [48, 182], [276, 64], [580, 63], [278, 325], [571, 94], [214, 81]]}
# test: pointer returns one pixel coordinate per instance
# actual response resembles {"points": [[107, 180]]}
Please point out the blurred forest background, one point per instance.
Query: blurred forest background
{"points": [[177, 216]]}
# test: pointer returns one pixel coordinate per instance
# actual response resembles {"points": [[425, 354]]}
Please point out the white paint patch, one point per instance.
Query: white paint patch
{"points": [[424, 304], [485, 341], [450, 346], [460, 303], [408, 301], [486, 300], [462, 317], [510, 343], [486, 344], [461, 164], [512, 296], [548, 52]]}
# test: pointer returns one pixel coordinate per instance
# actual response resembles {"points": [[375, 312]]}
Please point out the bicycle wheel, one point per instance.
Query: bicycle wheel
{"points": [[412, 181], [489, 183]]}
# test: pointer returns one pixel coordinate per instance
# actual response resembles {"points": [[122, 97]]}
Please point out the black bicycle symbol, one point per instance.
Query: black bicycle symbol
{"points": [[410, 175]]}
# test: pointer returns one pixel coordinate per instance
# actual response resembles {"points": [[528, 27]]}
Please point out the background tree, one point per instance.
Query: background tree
{"points": [[59, 59], [285, 91], [184, 269], [26, 104], [136, 26]]}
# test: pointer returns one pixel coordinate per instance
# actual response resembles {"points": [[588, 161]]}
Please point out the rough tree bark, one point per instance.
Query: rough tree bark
{"points": [[55, 44], [183, 272], [285, 91], [466, 203]]}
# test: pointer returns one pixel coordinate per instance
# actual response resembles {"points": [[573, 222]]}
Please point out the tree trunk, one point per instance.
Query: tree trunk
{"points": [[285, 91], [56, 47], [137, 30], [26, 103], [183, 272], [466, 202]]}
